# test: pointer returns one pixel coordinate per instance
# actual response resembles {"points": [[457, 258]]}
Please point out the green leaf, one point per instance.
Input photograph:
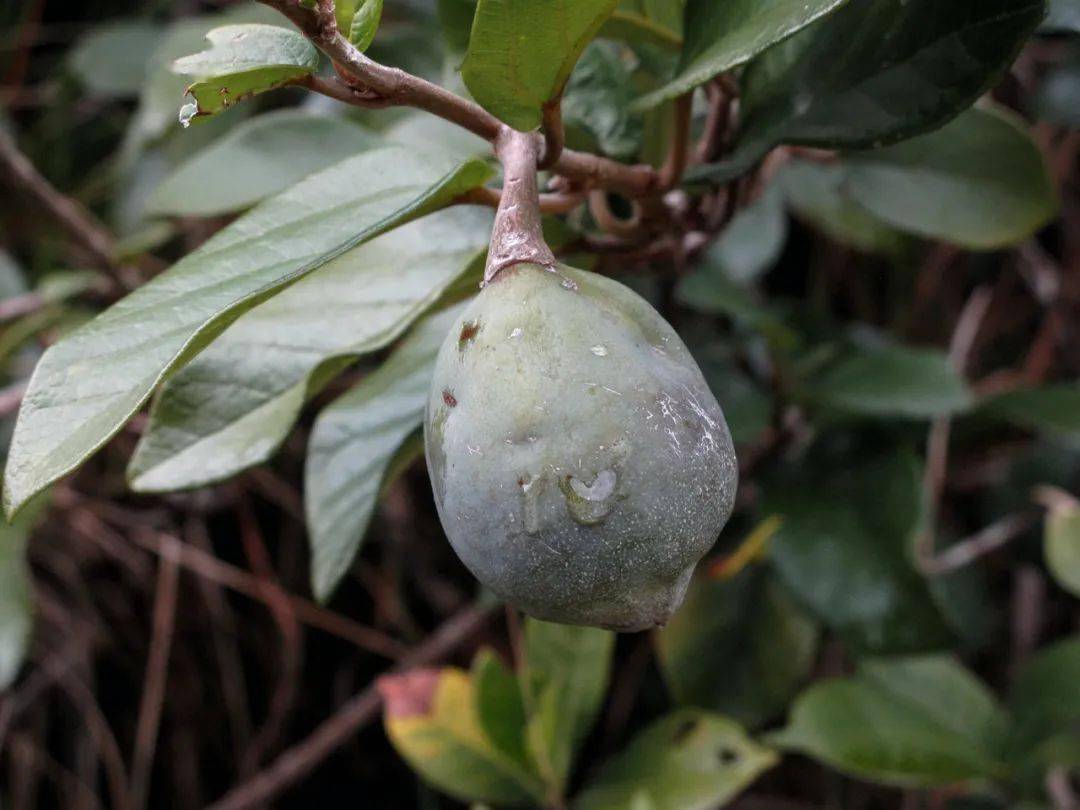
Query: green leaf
{"points": [[112, 59], [431, 720], [566, 668], [257, 159], [816, 194], [456, 19], [596, 104], [1053, 409], [522, 51], [89, 384], [499, 706], [16, 603], [244, 60], [724, 35], [980, 182], [1061, 547], [890, 381], [737, 646], [918, 722], [1045, 705], [687, 760], [875, 73], [353, 442], [647, 22], [842, 551], [236, 402], [359, 20]]}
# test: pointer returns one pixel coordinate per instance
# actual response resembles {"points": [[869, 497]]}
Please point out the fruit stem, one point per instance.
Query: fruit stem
{"points": [[518, 236]]}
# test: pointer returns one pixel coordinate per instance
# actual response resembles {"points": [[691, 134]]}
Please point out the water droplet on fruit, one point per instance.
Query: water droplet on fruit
{"points": [[590, 504], [599, 350], [188, 112], [517, 333]]}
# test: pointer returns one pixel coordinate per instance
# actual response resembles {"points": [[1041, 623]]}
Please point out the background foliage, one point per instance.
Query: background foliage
{"points": [[873, 253]]}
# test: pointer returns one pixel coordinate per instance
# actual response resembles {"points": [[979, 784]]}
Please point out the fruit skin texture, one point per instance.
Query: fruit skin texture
{"points": [[581, 466]]}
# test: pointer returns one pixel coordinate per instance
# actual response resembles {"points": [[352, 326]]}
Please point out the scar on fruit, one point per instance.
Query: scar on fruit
{"points": [[469, 331]]}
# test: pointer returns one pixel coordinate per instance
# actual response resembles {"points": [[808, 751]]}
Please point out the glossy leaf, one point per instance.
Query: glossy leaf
{"points": [[352, 444], [687, 760], [112, 59], [244, 60], [737, 646], [890, 381], [71, 408], [918, 722], [875, 73], [980, 182], [595, 108], [257, 159], [843, 552], [565, 682], [1054, 410], [724, 35], [522, 52], [1061, 546], [235, 403], [431, 720]]}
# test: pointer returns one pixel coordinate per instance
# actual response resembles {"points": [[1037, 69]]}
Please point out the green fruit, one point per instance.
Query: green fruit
{"points": [[580, 464]]}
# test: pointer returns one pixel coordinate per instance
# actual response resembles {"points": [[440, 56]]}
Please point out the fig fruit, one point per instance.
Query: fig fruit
{"points": [[580, 464]]}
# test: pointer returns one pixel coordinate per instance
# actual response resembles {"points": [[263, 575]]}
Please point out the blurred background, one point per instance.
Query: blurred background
{"points": [[909, 406]]}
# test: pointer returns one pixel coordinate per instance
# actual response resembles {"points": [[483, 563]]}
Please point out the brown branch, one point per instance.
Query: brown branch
{"points": [[679, 156], [554, 134], [157, 671], [373, 84], [298, 761], [560, 203], [82, 226]]}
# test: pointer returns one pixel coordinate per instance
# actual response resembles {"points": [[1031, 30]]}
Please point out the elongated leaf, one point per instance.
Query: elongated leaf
{"points": [[914, 722], [816, 194], [236, 402], [1054, 409], [431, 720], [595, 108], [244, 60], [499, 706], [980, 182], [256, 160], [724, 35], [1061, 547], [112, 58], [16, 606], [353, 442], [88, 385], [874, 73], [687, 760], [891, 381], [565, 680], [739, 647], [843, 552], [359, 20], [522, 51]]}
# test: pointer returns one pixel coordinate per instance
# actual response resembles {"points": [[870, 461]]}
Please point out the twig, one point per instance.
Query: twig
{"points": [[561, 203], [79, 223], [554, 134], [157, 667], [296, 762], [373, 84], [677, 158], [978, 545]]}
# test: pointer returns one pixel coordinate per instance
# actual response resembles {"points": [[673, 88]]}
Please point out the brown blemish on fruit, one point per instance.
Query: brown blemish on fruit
{"points": [[469, 331], [684, 730], [449, 398], [410, 694]]}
